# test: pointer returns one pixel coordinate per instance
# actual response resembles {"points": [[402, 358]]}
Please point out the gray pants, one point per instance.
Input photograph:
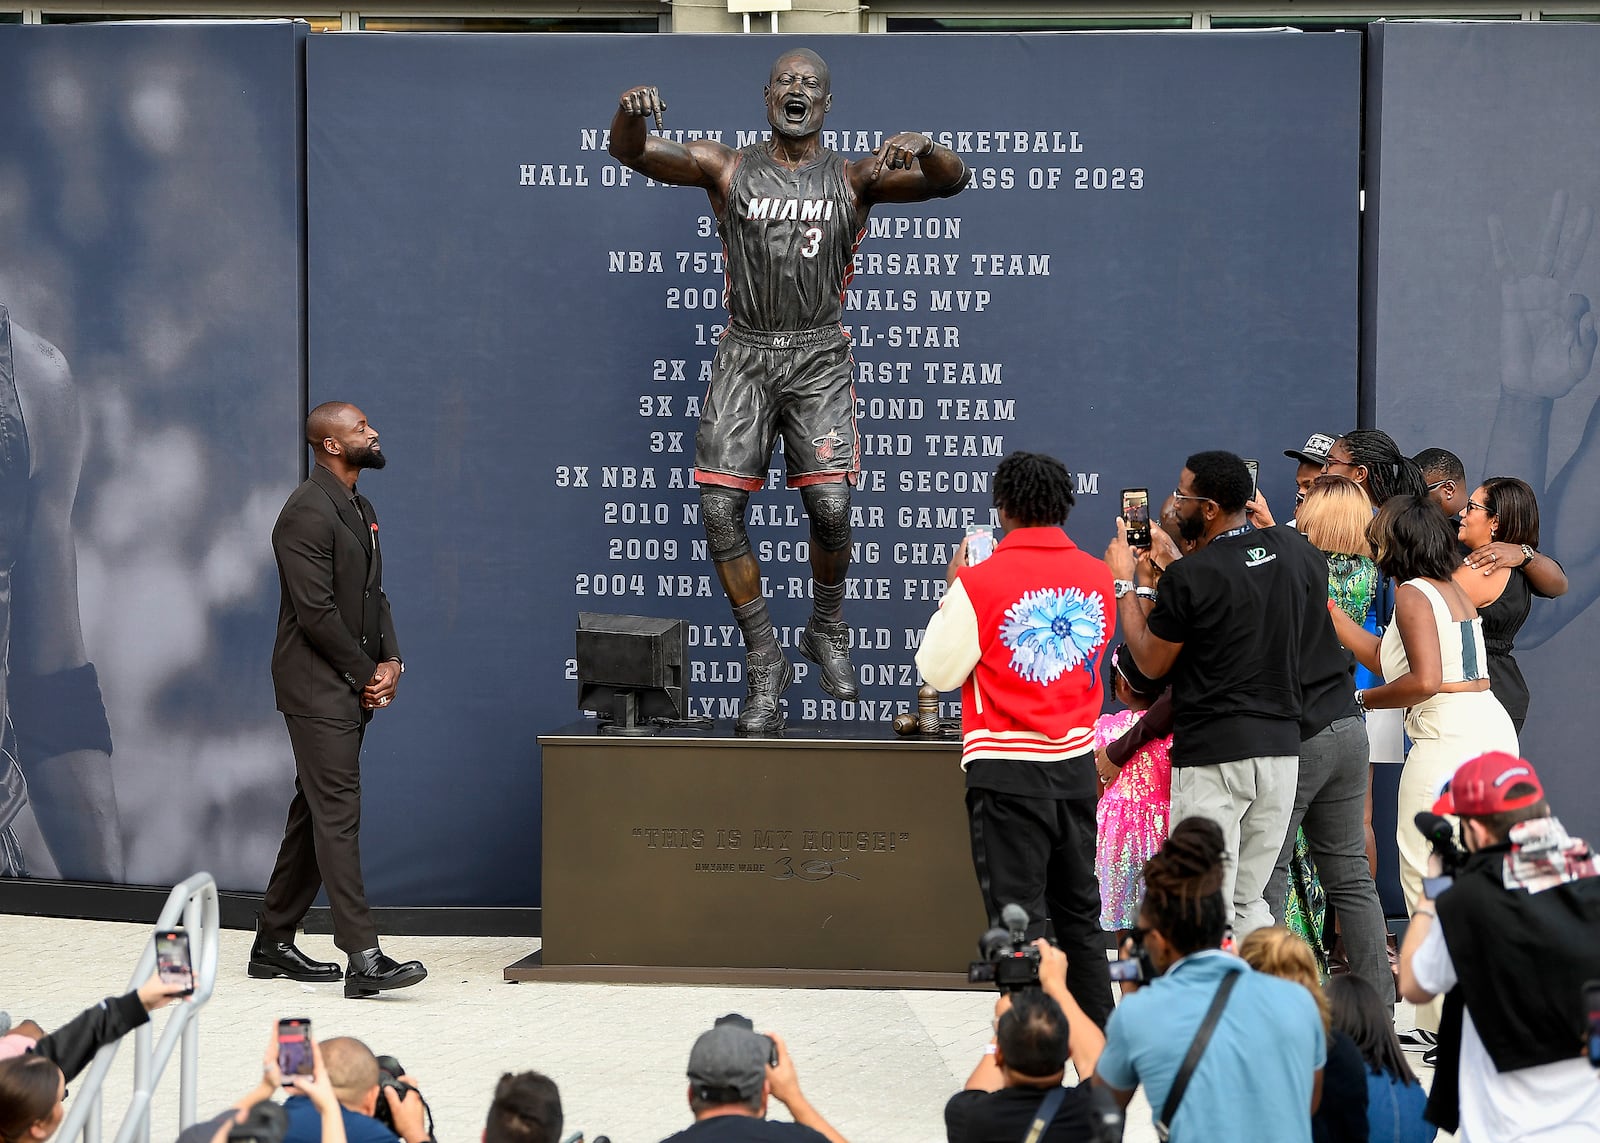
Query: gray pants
{"points": [[1328, 802], [1251, 800]]}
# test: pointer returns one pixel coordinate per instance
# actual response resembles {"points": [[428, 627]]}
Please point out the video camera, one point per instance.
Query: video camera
{"points": [[1010, 962], [1441, 836]]}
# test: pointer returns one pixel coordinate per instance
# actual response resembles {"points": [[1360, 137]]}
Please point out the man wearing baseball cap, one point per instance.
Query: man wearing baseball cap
{"points": [[1510, 943], [732, 1070], [1312, 456]]}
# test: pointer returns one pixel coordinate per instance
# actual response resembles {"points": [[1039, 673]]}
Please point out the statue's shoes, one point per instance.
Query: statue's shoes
{"points": [[828, 646], [768, 679]]}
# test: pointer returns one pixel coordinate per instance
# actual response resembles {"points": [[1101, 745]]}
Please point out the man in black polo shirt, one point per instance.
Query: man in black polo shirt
{"points": [[1036, 1031], [1228, 623], [1330, 799]]}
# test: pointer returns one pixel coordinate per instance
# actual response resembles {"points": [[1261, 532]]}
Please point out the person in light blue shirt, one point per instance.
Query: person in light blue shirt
{"points": [[1261, 1075]]}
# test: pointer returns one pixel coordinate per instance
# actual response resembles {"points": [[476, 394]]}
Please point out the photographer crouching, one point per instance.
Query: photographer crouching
{"points": [[1510, 940], [1016, 1090], [378, 1105]]}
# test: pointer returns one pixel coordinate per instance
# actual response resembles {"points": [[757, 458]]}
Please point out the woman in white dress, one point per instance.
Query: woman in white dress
{"points": [[1435, 666]]}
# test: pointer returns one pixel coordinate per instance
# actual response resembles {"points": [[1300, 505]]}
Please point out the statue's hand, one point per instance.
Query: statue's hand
{"points": [[1547, 335], [900, 152], [642, 102]]}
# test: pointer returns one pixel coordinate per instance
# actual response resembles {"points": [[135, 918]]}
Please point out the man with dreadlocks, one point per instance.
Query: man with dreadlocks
{"points": [[1260, 1074], [1022, 635]]}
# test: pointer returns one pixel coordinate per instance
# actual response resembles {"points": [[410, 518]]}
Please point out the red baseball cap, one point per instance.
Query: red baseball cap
{"points": [[1479, 787]]}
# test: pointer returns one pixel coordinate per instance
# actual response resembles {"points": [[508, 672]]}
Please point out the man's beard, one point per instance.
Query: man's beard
{"points": [[369, 457], [1191, 528]]}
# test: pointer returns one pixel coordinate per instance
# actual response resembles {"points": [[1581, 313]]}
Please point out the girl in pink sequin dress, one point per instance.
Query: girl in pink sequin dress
{"points": [[1135, 810]]}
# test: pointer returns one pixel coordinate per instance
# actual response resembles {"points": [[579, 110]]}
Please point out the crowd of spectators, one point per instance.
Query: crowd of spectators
{"points": [[1220, 827]]}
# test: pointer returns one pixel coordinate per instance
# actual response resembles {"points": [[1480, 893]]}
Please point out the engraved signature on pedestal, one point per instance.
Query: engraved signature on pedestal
{"points": [[815, 870]]}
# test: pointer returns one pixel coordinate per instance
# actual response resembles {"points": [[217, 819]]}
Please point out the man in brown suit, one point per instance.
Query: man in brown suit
{"points": [[335, 661]]}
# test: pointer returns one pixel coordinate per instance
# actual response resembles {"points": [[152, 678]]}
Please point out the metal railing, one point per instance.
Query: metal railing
{"points": [[194, 903]]}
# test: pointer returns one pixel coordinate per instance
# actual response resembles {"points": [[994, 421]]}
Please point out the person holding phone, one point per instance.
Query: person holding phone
{"points": [[1266, 1038], [314, 1085], [73, 1045], [1230, 623], [1023, 635]]}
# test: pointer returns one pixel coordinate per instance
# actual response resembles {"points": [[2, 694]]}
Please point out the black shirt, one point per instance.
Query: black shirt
{"points": [[745, 1129], [1341, 1117], [1003, 1116], [1239, 606]]}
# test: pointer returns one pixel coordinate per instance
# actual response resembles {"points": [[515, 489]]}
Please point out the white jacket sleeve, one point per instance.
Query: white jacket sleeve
{"points": [[950, 647]]}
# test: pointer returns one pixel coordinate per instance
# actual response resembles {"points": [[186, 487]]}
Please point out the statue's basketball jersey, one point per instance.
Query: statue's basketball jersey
{"points": [[790, 239], [14, 466]]}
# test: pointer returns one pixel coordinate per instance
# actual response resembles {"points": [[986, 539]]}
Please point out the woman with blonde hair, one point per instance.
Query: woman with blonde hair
{"points": [[1335, 518], [1341, 1116]]}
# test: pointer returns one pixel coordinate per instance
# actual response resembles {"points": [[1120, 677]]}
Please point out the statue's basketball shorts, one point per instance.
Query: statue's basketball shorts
{"points": [[797, 383]]}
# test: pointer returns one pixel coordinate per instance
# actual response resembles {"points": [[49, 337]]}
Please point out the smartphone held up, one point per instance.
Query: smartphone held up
{"points": [[1136, 514], [980, 543], [294, 1047], [173, 965]]}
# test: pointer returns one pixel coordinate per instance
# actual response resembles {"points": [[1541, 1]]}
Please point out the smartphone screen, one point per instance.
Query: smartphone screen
{"points": [[1255, 473], [294, 1047], [1136, 513], [172, 959], [980, 543]]}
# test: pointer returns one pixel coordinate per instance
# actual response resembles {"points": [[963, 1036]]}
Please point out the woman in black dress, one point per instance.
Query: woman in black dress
{"points": [[1503, 574]]}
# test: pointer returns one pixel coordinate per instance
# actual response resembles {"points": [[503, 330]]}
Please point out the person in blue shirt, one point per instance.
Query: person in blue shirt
{"points": [[352, 1071], [1260, 1077], [1395, 1097]]}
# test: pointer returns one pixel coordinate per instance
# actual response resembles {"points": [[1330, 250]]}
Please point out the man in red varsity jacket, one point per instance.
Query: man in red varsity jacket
{"points": [[1022, 634]]}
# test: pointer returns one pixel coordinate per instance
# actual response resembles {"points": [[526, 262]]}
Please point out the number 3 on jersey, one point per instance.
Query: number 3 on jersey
{"points": [[813, 242]]}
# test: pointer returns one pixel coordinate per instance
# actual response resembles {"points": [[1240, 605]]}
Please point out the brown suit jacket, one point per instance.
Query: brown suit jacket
{"points": [[334, 625]]}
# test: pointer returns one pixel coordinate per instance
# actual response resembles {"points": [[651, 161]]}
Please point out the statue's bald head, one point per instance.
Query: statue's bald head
{"points": [[329, 419], [352, 1069], [818, 64]]}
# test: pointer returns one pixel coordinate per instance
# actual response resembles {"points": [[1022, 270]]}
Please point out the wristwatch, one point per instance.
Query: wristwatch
{"points": [[1146, 593], [1122, 587], [1361, 701], [1527, 555]]}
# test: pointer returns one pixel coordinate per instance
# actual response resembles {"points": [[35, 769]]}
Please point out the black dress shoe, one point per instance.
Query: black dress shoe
{"points": [[270, 959], [371, 972]]}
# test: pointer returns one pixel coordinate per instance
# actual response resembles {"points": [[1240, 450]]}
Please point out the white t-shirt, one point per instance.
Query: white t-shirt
{"points": [[1551, 1103]]}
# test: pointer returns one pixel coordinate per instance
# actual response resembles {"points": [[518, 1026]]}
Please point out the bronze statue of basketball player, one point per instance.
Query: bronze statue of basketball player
{"points": [[790, 213]]}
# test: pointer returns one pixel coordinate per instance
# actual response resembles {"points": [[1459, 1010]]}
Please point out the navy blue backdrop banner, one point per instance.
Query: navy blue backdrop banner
{"points": [[1158, 254], [150, 229], [1475, 129]]}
